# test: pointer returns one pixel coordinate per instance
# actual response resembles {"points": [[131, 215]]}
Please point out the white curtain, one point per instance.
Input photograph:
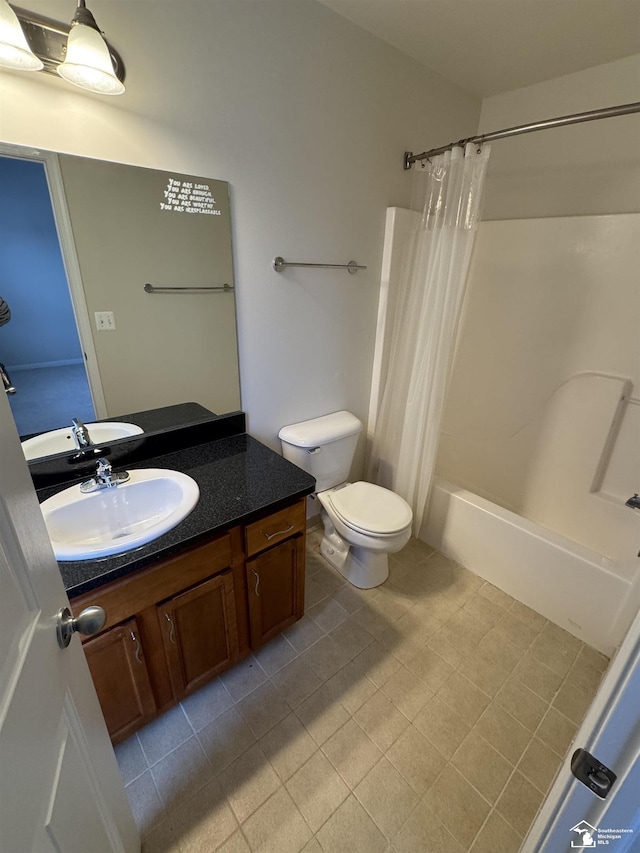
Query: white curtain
{"points": [[447, 194]]}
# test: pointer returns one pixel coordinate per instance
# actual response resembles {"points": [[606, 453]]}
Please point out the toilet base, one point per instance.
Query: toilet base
{"points": [[361, 567]]}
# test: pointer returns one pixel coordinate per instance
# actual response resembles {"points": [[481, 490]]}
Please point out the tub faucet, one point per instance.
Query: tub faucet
{"points": [[105, 477], [80, 433], [634, 502]]}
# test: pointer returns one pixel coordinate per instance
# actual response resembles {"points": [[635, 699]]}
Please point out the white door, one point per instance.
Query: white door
{"points": [[60, 788], [573, 817]]}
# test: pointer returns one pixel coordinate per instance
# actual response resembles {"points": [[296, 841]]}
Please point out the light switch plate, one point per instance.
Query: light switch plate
{"points": [[105, 321]]}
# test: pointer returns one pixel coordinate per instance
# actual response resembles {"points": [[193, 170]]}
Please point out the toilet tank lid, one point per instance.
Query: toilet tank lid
{"points": [[321, 430]]}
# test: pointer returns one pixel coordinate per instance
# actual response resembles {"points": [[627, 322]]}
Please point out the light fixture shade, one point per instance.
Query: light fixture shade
{"points": [[14, 49], [88, 63]]}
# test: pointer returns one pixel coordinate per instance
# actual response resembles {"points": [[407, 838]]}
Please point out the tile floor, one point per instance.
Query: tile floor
{"points": [[430, 714]]}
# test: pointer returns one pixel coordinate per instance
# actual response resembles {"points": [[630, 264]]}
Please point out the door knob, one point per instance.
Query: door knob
{"points": [[89, 621]]}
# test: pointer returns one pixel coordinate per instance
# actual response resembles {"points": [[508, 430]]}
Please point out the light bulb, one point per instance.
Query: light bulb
{"points": [[88, 62]]}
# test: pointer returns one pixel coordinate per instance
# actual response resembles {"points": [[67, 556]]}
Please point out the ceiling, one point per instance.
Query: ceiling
{"points": [[492, 46]]}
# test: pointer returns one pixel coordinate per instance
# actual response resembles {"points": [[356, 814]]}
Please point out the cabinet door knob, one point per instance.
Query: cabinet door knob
{"points": [[172, 632], [257, 586], [278, 532]]}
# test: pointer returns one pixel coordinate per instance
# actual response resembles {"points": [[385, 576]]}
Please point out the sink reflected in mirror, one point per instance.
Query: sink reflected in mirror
{"points": [[62, 440], [111, 520]]}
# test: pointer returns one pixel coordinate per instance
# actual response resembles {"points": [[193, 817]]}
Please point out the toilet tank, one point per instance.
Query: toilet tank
{"points": [[324, 447]]}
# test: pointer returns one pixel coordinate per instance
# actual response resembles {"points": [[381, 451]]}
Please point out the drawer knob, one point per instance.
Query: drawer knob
{"points": [[278, 532]]}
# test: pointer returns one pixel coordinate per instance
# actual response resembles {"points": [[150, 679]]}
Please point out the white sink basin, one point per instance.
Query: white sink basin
{"points": [[83, 526], [59, 440]]}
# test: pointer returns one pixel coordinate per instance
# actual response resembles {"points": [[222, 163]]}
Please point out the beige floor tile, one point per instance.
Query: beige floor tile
{"points": [[494, 646], [458, 805], [387, 796], [461, 585], [352, 753], [486, 674], [145, 803], [351, 829], [408, 693], [181, 773], [437, 605], [275, 654], [467, 700], [414, 553], [520, 633], [349, 597], [227, 737], [497, 596], [164, 734], [287, 746], [557, 731], [321, 715], [317, 790], [556, 648], [377, 664], [205, 821], [381, 720], [593, 658], [203, 706], [527, 707], [350, 687], [296, 682], [538, 677], [163, 838], [303, 634], [325, 658], [441, 726], [482, 765], [539, 764], [313, 593], [452, 645], [484, 610], [312, 846], [243, 678], [416, 759], [372, 620], [519, 803], [263, 709], [130, 758], [327, 614], [351, 637], [277, 826], [236, 844], [329, 579], [586, 672], [424, 833], [527, 615], [496, 836], [248, 782], [503, 732], [572, 701], [431, 668]]}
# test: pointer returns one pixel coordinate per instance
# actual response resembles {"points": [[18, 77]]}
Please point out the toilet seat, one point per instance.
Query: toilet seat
{"points": [[370, 509]]}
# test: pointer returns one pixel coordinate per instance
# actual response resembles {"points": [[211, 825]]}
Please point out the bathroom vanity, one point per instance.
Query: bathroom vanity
{"points": [[192, 603]]}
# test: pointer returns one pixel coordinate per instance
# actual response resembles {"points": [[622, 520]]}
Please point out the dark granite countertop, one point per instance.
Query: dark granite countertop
{"points": [[239, 478]]}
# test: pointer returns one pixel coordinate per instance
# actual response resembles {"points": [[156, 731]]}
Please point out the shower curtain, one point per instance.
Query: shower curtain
{"points": [[446, 195]]}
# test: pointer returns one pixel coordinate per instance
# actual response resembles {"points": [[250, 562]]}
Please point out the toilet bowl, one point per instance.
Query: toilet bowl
{"points": [[363, 523]]}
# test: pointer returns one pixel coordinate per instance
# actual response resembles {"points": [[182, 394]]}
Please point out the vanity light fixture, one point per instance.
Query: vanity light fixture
{"points": [[77, 52], [14, 48]]}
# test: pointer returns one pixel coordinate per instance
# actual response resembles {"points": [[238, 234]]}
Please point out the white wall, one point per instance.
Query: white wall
{"points": [[307, 117], [583, 169]]}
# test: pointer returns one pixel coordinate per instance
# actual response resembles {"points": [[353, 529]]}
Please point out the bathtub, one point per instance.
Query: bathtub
{"points": [[587, 594]]}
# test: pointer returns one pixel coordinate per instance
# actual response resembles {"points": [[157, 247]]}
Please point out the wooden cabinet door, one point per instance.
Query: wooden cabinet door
{"points": [[275, 582], [121, 679], [199, 633]]}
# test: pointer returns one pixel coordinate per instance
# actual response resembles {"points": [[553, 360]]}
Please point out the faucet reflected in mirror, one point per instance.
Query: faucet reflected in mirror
{"points": [[61, 218], [6, 381]]}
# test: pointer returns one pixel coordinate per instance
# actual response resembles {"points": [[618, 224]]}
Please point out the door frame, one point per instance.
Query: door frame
{"points": [[49, 160]]}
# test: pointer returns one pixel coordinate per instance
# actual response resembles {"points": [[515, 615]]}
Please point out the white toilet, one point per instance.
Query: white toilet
{"points": [[363, 523]]}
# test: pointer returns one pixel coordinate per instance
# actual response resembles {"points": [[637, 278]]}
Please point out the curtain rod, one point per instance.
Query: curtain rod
{"points": [[608, 112]]}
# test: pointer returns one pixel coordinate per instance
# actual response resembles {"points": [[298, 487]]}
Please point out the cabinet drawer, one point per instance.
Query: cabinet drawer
{"points": [[275, 528]]}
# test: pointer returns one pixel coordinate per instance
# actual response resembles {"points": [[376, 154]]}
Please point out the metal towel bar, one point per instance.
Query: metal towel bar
{"points": [[352, 267], [150, 288]]}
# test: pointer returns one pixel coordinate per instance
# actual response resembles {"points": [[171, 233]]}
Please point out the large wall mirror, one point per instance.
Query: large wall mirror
{"points": [[119, 284]]}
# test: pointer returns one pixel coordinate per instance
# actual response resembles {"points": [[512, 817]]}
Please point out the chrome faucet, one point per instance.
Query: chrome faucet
{"points": [[105, 477], [80, 433], [634, 502]]}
